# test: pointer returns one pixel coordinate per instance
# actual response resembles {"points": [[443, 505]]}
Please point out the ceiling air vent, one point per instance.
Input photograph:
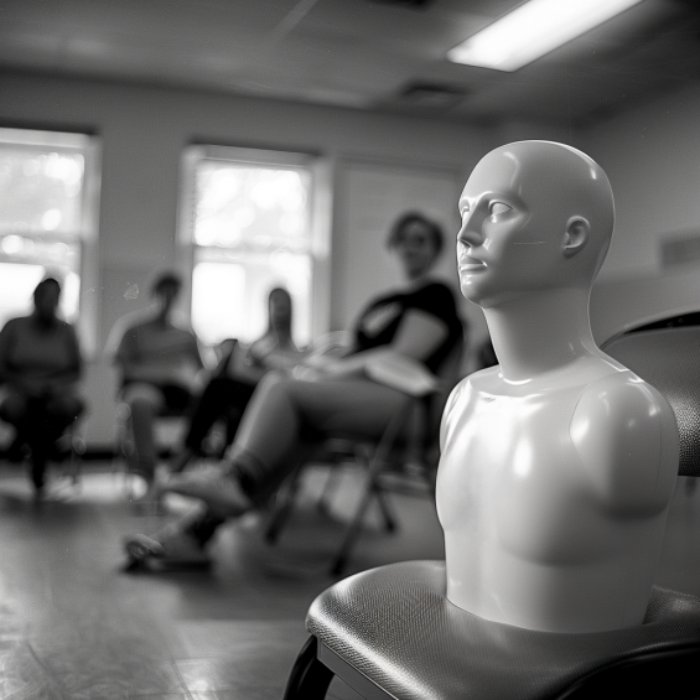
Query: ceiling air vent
{"points": [[680, 249], [417, 4], [434, 95]]}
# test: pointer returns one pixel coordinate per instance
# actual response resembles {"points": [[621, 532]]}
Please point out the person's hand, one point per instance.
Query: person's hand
{"points": [[316, 367], [306, 373]]}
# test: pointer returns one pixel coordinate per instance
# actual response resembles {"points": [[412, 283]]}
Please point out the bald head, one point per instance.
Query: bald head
{"points": [[565, 183], [542, 211]]}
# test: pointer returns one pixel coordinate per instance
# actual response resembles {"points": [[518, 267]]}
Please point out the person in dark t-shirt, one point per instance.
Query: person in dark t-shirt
{"points": [[40, 368], [417, 323]]}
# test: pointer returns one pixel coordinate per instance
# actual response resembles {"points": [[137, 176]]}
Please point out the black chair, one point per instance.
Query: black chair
{"points": [[666, 353], [391, 633], [65, 456], [403, 460]]}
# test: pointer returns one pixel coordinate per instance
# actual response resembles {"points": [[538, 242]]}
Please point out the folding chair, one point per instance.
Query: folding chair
{"points": [[391, 633], [410, 436]]}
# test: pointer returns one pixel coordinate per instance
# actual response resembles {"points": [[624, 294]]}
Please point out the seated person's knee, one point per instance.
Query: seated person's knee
{"points": [[142, 396]]}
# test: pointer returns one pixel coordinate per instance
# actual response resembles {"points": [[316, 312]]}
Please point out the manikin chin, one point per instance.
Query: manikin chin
{"points": [[559, 464]]}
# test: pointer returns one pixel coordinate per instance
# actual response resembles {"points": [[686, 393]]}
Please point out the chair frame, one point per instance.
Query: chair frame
{"points": [[373, 456], [659, 659]]}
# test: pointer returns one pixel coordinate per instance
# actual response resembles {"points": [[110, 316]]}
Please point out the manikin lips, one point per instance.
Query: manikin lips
{"points": [[466, 262]]}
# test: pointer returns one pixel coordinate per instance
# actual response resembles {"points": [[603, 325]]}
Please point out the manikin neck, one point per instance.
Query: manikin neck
{"points": [[540, 332]]}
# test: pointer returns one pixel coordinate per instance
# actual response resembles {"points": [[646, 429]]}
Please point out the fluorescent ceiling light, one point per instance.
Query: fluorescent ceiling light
{"points": [[532, 30]]}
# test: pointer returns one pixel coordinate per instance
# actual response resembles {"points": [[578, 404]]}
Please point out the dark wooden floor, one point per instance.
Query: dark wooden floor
{"points": [[74, 626]]}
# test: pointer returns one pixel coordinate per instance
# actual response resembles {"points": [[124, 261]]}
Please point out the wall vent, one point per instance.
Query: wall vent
{"points": [[680, 249], [435, 95], [415, 4]]}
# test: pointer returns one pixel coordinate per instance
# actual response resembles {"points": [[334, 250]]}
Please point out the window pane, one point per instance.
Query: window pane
{"points": [[46, 215], [229, 299], [218, 293], [17, 283], [52, 252], [40, 190], [251, 232], [251, 207]]}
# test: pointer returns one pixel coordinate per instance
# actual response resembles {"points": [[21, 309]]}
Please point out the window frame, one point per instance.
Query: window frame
{"points": [[87, 234], [319, 217]]}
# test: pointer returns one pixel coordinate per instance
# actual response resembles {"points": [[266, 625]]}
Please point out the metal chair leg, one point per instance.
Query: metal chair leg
{"points": [[282, 508], [309, 678]]}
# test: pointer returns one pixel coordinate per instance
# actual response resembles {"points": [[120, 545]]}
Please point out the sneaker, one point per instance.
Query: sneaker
{"points": [[221, 493], [173, 548]]}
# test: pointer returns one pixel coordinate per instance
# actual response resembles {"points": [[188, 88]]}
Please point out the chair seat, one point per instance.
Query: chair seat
{"points": [[395, 627]]}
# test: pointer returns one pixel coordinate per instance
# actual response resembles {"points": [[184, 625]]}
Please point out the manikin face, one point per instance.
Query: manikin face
{"points": [[511, 239]]}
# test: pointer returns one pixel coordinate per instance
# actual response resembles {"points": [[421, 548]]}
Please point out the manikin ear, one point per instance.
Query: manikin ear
{"points": [[576, 235]]}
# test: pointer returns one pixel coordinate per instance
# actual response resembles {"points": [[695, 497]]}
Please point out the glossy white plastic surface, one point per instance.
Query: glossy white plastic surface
{"points": [[559, 464]]}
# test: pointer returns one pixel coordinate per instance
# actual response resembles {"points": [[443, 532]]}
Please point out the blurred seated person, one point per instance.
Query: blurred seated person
{"points": [[40, 367], [228, 391], [160, 363], [416, 324]]}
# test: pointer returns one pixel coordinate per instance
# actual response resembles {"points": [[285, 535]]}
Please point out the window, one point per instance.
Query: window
{"points": [[48, 188], [250, 223]]}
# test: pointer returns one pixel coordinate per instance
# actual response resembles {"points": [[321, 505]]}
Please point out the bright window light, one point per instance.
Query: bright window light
{"points": [[48, 221], [532, 30], [248, 224]]}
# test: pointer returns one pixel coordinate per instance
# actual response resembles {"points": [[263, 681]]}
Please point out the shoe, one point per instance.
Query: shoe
{"points": [[170, 547], [220, 492]]}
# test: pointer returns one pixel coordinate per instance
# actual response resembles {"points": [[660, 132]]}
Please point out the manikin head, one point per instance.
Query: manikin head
{"points": [[536, 216]]}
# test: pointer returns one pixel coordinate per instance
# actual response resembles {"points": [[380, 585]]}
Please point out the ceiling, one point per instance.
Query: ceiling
{"points": [[366, 54]]}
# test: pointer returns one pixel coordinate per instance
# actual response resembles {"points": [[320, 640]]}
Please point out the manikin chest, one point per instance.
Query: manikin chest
{"points": [[509, 460]]}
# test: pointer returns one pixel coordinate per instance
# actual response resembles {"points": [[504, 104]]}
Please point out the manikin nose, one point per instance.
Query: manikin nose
{"points": [[470, 232]]}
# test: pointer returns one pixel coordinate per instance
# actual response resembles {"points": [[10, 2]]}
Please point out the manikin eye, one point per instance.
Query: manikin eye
{"points": [[498, 208]]}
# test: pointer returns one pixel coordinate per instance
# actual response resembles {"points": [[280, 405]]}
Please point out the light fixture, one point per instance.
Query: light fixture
{"points": [[532, 30]]}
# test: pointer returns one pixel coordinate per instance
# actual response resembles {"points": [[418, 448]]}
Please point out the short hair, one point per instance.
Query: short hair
{"points": [[412, 217], [45, 284], [165, 279]]}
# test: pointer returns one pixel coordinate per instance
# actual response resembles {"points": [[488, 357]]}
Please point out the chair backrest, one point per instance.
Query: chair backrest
{"points": [[667, 355]]}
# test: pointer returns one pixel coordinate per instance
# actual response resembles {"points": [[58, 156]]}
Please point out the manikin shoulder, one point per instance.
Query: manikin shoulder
{"points": [[626, 437], [621, 428]]}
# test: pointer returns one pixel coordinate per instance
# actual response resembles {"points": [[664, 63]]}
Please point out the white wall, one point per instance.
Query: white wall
{"points": [[143, 130], [652, 157], [651, 154]]}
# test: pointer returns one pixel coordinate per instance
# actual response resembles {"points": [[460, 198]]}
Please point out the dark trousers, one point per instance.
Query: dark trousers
{"points": [[39, 422], [223, 398]]}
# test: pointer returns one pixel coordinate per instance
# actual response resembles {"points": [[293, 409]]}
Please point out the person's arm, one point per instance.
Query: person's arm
{"points": [[417, 337], [265, 354], [8, 375]]}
